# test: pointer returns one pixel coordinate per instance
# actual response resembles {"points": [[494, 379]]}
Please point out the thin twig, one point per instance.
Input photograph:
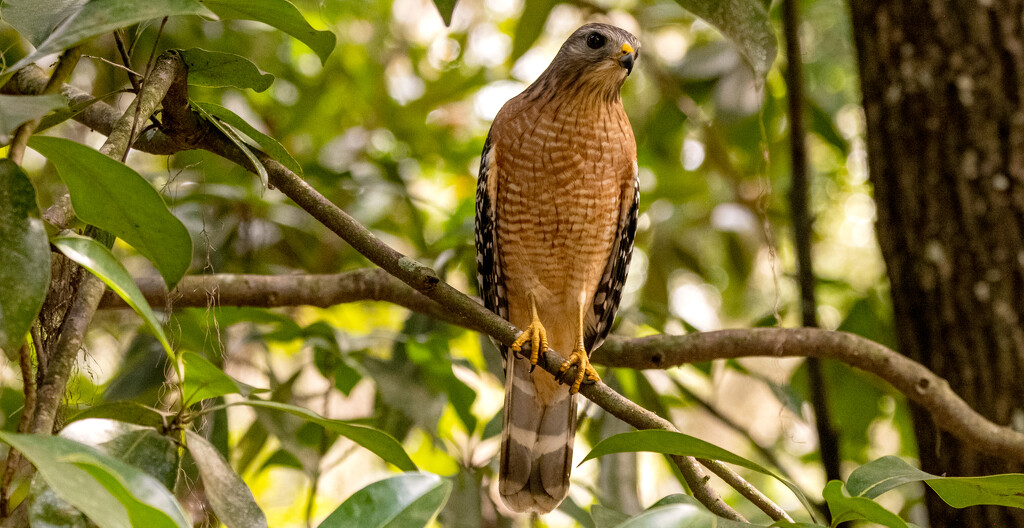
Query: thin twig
{"points": [[746, 489], [142, 89], [133, 76], [828, 439]]}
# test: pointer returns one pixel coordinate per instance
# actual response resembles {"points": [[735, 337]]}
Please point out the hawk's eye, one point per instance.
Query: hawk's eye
{"points": [[595, 40]]}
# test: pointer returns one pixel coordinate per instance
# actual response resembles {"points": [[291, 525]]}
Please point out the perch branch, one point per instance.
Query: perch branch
{"points": [[65, 65]]}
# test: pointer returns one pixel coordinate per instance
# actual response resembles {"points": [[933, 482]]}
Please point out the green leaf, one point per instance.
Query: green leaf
{"points": [[203, 380], [138, 446], [96, 258], [126, 496], [124, 411], [97, 17], [230, 498], [25, 259], [279, 14], [148, 502], [236, 139], [410, 500], [377, 441], [269, 144], [681, 515], [746, 23], [606, 517], [530, 26], [18, 109], [445, 8], [36, 19], [886, 473], [218, 69], [845, 507], [108, 194], [673, 443]]}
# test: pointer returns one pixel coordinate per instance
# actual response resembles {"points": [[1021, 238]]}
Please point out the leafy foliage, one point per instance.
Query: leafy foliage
{"points": [[388, 123]]}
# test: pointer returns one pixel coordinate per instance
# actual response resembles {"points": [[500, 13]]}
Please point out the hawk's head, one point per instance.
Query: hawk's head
{"points": [[594, 60]]}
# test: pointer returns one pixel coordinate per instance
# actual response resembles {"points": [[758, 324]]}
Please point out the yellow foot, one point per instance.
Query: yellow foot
{"points": [[538, 338], [584, 369]]}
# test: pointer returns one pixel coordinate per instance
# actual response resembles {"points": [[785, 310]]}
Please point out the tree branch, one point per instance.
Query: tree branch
{"points": [[51, 389]]}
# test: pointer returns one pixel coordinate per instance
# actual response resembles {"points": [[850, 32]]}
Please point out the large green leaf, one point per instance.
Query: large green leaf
{"points": [[113, 197], [218, 69], [25, 258], [845, 507], [746, 23], [279, 14], [138, 446], [97, 17], [228, 495], [269, 144], [17, 109], [36, 19], [203, 380], [886, 473], [377, 441], [673, 443], [96, 258], [411, 500], [125, 496]]}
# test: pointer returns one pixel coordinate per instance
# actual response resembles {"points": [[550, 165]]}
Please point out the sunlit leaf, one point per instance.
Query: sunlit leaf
{"points": [[845, 507], [269, 144], [411, 500], [125, 411], [97, 17], [218, 69], [673, 443], [606, 517], [141, 447], [279, 14], [25, 258], [203, 380], [378, 442], [17, 109], [110, 195], [746, 23], [125, 496], [230, 498], [96, 258], [681, 515]]}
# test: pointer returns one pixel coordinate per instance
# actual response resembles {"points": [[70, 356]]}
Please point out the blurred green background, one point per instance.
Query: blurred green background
{"points": [[390, 128]]}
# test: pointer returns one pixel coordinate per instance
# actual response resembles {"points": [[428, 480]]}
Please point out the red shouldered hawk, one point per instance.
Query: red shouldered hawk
{"points": [[556, 210]]}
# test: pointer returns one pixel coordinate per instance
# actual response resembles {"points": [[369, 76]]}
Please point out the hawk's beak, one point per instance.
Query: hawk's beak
{"points": [[627, 58]]}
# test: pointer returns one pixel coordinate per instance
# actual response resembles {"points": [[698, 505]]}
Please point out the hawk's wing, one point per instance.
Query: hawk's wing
{"points": [[489, 276], [609, 290]]}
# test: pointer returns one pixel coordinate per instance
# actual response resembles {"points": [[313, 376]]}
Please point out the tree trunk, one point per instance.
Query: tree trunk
{"points": [[943, 87]]}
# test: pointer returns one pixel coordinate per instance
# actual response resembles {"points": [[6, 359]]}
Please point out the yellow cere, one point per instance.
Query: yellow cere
{"points": [[626, 48]]}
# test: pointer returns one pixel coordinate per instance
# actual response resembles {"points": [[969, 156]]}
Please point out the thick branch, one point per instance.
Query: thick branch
{"points": [[918, 383]]}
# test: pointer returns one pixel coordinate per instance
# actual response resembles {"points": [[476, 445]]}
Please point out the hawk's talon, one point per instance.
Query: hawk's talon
{"points": [[584, 369], [538, 338]]}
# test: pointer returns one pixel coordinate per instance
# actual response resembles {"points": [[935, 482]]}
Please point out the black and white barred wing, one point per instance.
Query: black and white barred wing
{"points": [[609, 290]]}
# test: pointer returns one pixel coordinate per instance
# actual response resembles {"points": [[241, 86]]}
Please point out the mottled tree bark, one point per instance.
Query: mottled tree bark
{"points": [[943, 87]]}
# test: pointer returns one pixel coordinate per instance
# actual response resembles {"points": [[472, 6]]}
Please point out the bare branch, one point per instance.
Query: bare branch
{"points": [[65, 65]]}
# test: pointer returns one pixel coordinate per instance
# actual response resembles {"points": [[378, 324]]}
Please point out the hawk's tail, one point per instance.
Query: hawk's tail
{"points": [[536, 439]]}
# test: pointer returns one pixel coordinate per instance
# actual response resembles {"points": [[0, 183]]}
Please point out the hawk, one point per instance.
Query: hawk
{"points": [[556, 211]]}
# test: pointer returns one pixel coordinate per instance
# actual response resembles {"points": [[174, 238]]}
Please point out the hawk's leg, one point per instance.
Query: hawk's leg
{"points": [[535, 334], [581, 359]]}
